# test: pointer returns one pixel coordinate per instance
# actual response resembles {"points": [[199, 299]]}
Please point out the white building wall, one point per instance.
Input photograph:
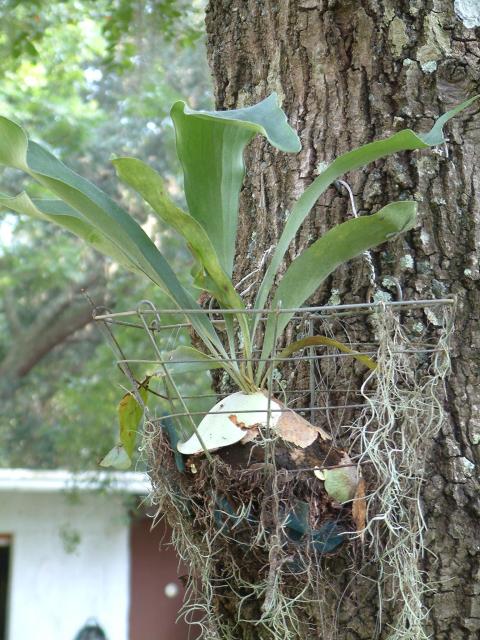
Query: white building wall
{"points": [[53, 590]]}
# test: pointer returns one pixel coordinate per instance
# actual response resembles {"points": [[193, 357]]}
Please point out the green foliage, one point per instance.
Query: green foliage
{"points": [[210, 147], [337, 246], [341, 483], [177, 20], [150, 186], [405, 140], [27, 24], [117, 458], [65, 216], [185, 358], [100, 220], [130, 419], [130, 414], [63, 412]]}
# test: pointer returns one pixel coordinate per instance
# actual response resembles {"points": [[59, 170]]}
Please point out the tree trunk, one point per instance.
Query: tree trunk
{"points": [[349, 73]]}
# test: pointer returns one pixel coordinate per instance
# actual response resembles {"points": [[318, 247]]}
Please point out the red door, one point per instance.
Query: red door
{"points": [[156, 593]]}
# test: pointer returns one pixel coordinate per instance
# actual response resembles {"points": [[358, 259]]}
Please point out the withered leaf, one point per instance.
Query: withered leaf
{"points": [[291, 427], [359, 507]]}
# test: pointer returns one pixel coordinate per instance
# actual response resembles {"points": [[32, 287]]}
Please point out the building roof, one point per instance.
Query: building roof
{"points": [[28, 480]]}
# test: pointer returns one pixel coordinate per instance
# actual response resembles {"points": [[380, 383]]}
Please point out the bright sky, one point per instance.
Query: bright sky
{"points": [[7, 225]]}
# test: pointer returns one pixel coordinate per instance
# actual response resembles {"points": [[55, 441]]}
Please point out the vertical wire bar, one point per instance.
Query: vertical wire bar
{"points": [[311, 371], [167, 373], [275, 550], [123, 365], [271, 363], [270, 448]]}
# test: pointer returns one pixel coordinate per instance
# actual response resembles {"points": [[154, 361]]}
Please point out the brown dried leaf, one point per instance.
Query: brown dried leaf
{"points": [[250, 434], [295, 429], [238, 423], [324, 435], [297, 456], [251, 431], [359, 507]]}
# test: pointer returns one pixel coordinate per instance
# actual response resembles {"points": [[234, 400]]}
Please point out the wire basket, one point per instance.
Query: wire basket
{"points": [[331, 389], [379, 421]]}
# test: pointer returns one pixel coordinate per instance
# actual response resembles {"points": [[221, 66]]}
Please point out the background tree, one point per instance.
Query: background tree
{"points": [[92, 79], [349, 73]]}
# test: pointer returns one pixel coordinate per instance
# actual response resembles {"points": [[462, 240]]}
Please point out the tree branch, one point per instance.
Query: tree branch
{"points": [[11, 314], [63, 317]]}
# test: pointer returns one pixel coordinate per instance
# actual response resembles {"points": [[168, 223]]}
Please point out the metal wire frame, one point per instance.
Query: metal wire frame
{"points": [[402, 544], [325, 310], [151, 321]]}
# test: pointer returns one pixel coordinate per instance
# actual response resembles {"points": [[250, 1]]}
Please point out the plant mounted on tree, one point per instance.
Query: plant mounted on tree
{"points": [[210, 147], [265, 539]]}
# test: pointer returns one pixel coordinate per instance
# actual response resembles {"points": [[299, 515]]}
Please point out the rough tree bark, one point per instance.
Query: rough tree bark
{"points": [[349, 72]]}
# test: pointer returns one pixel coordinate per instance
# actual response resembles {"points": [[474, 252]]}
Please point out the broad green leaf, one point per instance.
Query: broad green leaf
{"points": [[186, 359], [130, 415], [341, 482], [117, 458], [210, 147], [340, 244], [314, 341], [13, 145], [21, 204], [435, 135], [406, 140], [148, 183], [61, 214], [102, 213]]}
